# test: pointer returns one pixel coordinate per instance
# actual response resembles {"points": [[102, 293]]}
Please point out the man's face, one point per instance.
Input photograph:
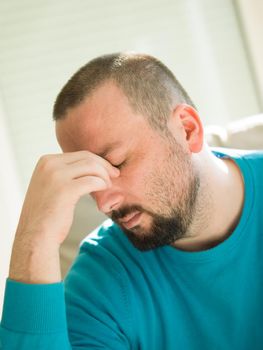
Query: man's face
{"points": [[153, 199]]}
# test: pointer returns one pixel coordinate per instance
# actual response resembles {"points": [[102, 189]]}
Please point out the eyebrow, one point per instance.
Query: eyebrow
{"points": [[108, 149]]}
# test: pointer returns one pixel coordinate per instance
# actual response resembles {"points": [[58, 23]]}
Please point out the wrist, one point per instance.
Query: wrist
{"points": [[34, 260]]}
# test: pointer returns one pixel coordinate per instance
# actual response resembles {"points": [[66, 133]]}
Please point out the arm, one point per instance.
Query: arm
{"points": [[97, 313], [34, 317], [34, 276]]}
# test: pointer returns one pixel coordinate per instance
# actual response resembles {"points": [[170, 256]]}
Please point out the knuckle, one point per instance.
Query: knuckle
{"points": [[84, 153], [96, 168], [96, 182], [44, 158], [47, 163]]}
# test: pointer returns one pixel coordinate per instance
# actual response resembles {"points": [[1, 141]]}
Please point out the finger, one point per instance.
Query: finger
{"points": [[72, 157], [88, 184], [69, 156], [87, 168]]}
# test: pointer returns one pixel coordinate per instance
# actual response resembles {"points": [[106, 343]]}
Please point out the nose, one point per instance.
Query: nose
{"points": [[108, 200]]}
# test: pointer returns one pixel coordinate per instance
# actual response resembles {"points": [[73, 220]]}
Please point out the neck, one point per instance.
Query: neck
{"points": [[219, 204]]}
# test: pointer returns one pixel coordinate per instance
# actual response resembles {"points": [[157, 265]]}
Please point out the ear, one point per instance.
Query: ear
{"points": [[190, 125]]}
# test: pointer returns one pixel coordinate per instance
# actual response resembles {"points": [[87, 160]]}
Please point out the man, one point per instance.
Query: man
{"points": [[179, 263]]}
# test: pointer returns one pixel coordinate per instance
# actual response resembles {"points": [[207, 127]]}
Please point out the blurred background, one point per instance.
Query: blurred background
{"points": [[214, 47]]}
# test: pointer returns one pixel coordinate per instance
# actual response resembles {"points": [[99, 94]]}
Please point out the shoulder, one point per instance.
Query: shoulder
{"points": [[97, 288], [254, 158], [97, 269], [108, 240], [107, 254], [104, 254], [237, 153], [250, 163]]}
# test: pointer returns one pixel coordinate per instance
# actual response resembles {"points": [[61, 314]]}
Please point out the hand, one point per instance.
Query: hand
{"points": [[57, 183]]}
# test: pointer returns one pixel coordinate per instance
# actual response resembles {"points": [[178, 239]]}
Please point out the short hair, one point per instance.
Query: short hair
{"points": [[150, 87]]}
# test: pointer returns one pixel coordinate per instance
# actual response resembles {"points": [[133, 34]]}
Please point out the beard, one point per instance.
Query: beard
{"points": [[171, 220]]}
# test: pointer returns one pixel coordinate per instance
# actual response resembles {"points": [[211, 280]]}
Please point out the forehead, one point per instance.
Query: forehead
{"points": [[103, 118]]}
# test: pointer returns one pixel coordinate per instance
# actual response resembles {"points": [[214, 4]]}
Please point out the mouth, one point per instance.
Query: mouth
{"points": [[130, 220]]}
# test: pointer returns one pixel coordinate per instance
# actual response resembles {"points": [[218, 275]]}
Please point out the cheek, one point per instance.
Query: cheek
{"points": [[155, 185], [134, 179], [165, 185], [155, 182]]}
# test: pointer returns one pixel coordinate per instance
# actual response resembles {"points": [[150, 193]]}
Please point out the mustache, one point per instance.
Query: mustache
{"points": [[124, 211]]}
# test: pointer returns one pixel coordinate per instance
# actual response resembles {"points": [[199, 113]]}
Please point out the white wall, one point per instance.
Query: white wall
{"points": [[251, 20], [10, 203]]}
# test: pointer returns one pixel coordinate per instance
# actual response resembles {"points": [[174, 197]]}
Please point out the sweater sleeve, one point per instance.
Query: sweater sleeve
{"points": [[34, 317], [89, 310]]}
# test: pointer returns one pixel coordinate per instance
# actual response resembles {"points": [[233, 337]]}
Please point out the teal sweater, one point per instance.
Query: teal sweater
{"points": [[116, 297]]}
